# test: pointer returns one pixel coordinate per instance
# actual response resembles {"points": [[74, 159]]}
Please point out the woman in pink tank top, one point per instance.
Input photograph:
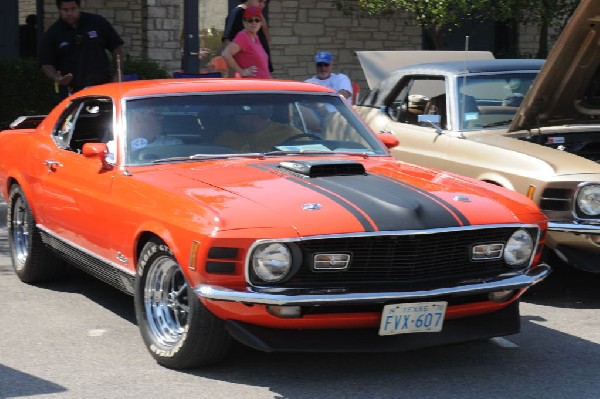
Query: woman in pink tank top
{"points": [[245, 55]]}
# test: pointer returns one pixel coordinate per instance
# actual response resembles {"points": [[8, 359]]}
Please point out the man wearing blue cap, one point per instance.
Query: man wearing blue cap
{"points": [[324, 77]]}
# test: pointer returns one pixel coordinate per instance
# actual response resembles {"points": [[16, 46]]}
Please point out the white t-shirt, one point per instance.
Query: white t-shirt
{"points": [[335, 81]]}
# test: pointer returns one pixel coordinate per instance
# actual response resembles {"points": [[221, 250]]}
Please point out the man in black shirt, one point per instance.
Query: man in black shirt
{"points": [[73, 51], [234, 24]]}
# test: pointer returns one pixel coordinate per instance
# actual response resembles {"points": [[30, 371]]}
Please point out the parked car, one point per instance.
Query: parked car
{"points": [[305, 236], [525, 125]]}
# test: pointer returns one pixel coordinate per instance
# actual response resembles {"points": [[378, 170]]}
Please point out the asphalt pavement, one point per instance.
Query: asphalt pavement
{"points": [[78, 338]]}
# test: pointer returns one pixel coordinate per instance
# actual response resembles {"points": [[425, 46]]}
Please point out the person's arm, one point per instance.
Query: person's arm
{"points": [[266, 31], [345, 93], [56, 76], [345, 86], [233, 25], [228, 54]]}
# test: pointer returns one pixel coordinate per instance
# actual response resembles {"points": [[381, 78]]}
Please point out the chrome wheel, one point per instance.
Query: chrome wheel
{"points": [[166, 302], [32, 261], [176, 327], [20, 233]]}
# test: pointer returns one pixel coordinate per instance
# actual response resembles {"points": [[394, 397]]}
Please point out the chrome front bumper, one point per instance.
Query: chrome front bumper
{"points": [[574, 228], [338, 296]]}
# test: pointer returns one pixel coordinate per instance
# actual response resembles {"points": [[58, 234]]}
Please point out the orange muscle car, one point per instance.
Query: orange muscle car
{"points": [[264, 212]]}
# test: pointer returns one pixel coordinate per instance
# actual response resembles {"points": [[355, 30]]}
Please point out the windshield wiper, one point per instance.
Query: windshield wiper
{"points": [[366, 153], [201, 157], [499, 123]]}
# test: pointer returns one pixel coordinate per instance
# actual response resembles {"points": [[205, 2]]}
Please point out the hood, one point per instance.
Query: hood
{"points": [[317, 197], [377, 65], [540, 158], [567, 89]]}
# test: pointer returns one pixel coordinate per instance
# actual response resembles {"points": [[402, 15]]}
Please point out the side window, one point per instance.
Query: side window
{"points": [[414, 98], [64, 129], [86, 121]]}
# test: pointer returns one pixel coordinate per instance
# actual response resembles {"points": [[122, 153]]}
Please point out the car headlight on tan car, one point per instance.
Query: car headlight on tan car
{"points": [[588, 200], [519, 248]]}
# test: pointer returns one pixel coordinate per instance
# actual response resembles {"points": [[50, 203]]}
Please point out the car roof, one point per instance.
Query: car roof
{"points": [[142, 88], [450, 68]]}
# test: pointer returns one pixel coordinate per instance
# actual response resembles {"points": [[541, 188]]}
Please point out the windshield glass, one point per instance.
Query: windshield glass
{"points": [[490, 100], [159, 128]]}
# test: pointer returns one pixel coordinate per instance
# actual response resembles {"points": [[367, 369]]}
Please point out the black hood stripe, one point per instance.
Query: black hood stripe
{"points": [[367, 224], [451, 208], [389, 203]]}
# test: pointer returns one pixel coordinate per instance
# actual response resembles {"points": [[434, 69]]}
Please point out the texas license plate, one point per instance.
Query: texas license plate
{"points": [[403, 318]]}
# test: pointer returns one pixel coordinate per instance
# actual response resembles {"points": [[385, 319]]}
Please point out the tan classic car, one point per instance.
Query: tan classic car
{"points": [[526, 125]]}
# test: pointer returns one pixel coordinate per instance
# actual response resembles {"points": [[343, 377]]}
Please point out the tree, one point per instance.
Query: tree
{"points": [[434, 16], [438, 16]]}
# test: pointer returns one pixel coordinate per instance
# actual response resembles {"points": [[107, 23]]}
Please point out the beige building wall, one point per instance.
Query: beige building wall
{"points": [[153, 28], [26, 7]]}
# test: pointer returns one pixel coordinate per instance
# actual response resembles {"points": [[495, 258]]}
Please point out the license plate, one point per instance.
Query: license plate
{"points": [[404, 318]]}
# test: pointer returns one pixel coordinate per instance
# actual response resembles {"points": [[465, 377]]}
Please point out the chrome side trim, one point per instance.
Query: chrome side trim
{"points": [[333, 296], [87, 252], [574, 228]]}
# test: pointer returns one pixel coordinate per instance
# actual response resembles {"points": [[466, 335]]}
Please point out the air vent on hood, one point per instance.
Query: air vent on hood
{"points": [[324, 168]]}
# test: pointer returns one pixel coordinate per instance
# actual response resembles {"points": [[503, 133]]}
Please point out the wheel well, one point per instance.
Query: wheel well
{"points": [[144, 238], [10, 182], [493, 182]]}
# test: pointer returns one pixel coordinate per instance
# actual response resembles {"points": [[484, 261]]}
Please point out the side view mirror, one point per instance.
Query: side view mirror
{"points": [[94, 150], [388, 139], [431, 119], [98, 151]]}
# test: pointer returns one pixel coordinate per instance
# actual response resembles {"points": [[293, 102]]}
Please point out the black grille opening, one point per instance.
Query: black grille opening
{"points": [[556, 199], [403, 261]]}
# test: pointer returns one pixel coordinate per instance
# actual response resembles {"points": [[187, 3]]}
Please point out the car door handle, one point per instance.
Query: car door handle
{"points": [[51, 164]]}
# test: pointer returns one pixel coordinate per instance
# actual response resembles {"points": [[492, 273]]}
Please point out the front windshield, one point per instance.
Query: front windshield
{"points": [[486, 101], [160, 128]]}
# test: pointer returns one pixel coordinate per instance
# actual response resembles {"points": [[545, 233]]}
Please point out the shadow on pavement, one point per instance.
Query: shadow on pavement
{"points": [[15, 384]]}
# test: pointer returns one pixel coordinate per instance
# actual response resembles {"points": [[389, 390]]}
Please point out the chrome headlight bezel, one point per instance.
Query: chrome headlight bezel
{"points": [[519, 249], [273, 262], [586, 201]]}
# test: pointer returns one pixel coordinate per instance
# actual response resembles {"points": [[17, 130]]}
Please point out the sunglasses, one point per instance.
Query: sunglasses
{"points": [[250, 20], [322, 64]]}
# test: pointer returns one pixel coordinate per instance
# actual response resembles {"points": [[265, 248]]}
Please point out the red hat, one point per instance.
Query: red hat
{"points": [[253, 12]]}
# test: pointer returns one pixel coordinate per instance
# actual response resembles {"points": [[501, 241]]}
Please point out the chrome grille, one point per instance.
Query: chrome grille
{"points": [[416, 258]]}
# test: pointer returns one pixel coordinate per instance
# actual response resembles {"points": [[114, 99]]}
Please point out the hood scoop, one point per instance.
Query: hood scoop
{"points": [[323, 168]]}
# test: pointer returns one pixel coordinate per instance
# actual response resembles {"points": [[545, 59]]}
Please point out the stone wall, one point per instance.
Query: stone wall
{"points": [[152, 29], [26, 7], [300, 28]]}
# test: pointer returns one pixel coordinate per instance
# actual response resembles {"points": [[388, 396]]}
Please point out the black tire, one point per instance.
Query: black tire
{"points": [[177, 329], [32, 261]]}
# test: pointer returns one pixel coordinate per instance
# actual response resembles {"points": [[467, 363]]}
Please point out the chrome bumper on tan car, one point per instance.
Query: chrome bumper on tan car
{"points": [[289, 296], [574, 228]]}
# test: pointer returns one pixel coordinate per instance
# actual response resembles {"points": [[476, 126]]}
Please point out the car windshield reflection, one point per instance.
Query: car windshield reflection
{"points": [[196, 127], [490, 100]]}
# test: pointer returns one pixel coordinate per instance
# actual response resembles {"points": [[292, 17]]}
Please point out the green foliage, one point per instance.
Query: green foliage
{"points": [[434, 16], [145, 69], [25, 90]]}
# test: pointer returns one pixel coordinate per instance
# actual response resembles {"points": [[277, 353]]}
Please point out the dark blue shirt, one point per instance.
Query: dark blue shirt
{"points": [[82, 50]]}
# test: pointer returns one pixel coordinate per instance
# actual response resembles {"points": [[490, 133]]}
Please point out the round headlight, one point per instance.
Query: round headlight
{"points": [[588, 200], [519, 248], [272, 262]]}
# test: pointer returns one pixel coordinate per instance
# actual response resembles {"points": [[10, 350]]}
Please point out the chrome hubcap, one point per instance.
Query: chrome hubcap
{"points": [[166, 302], [20, 233]]}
